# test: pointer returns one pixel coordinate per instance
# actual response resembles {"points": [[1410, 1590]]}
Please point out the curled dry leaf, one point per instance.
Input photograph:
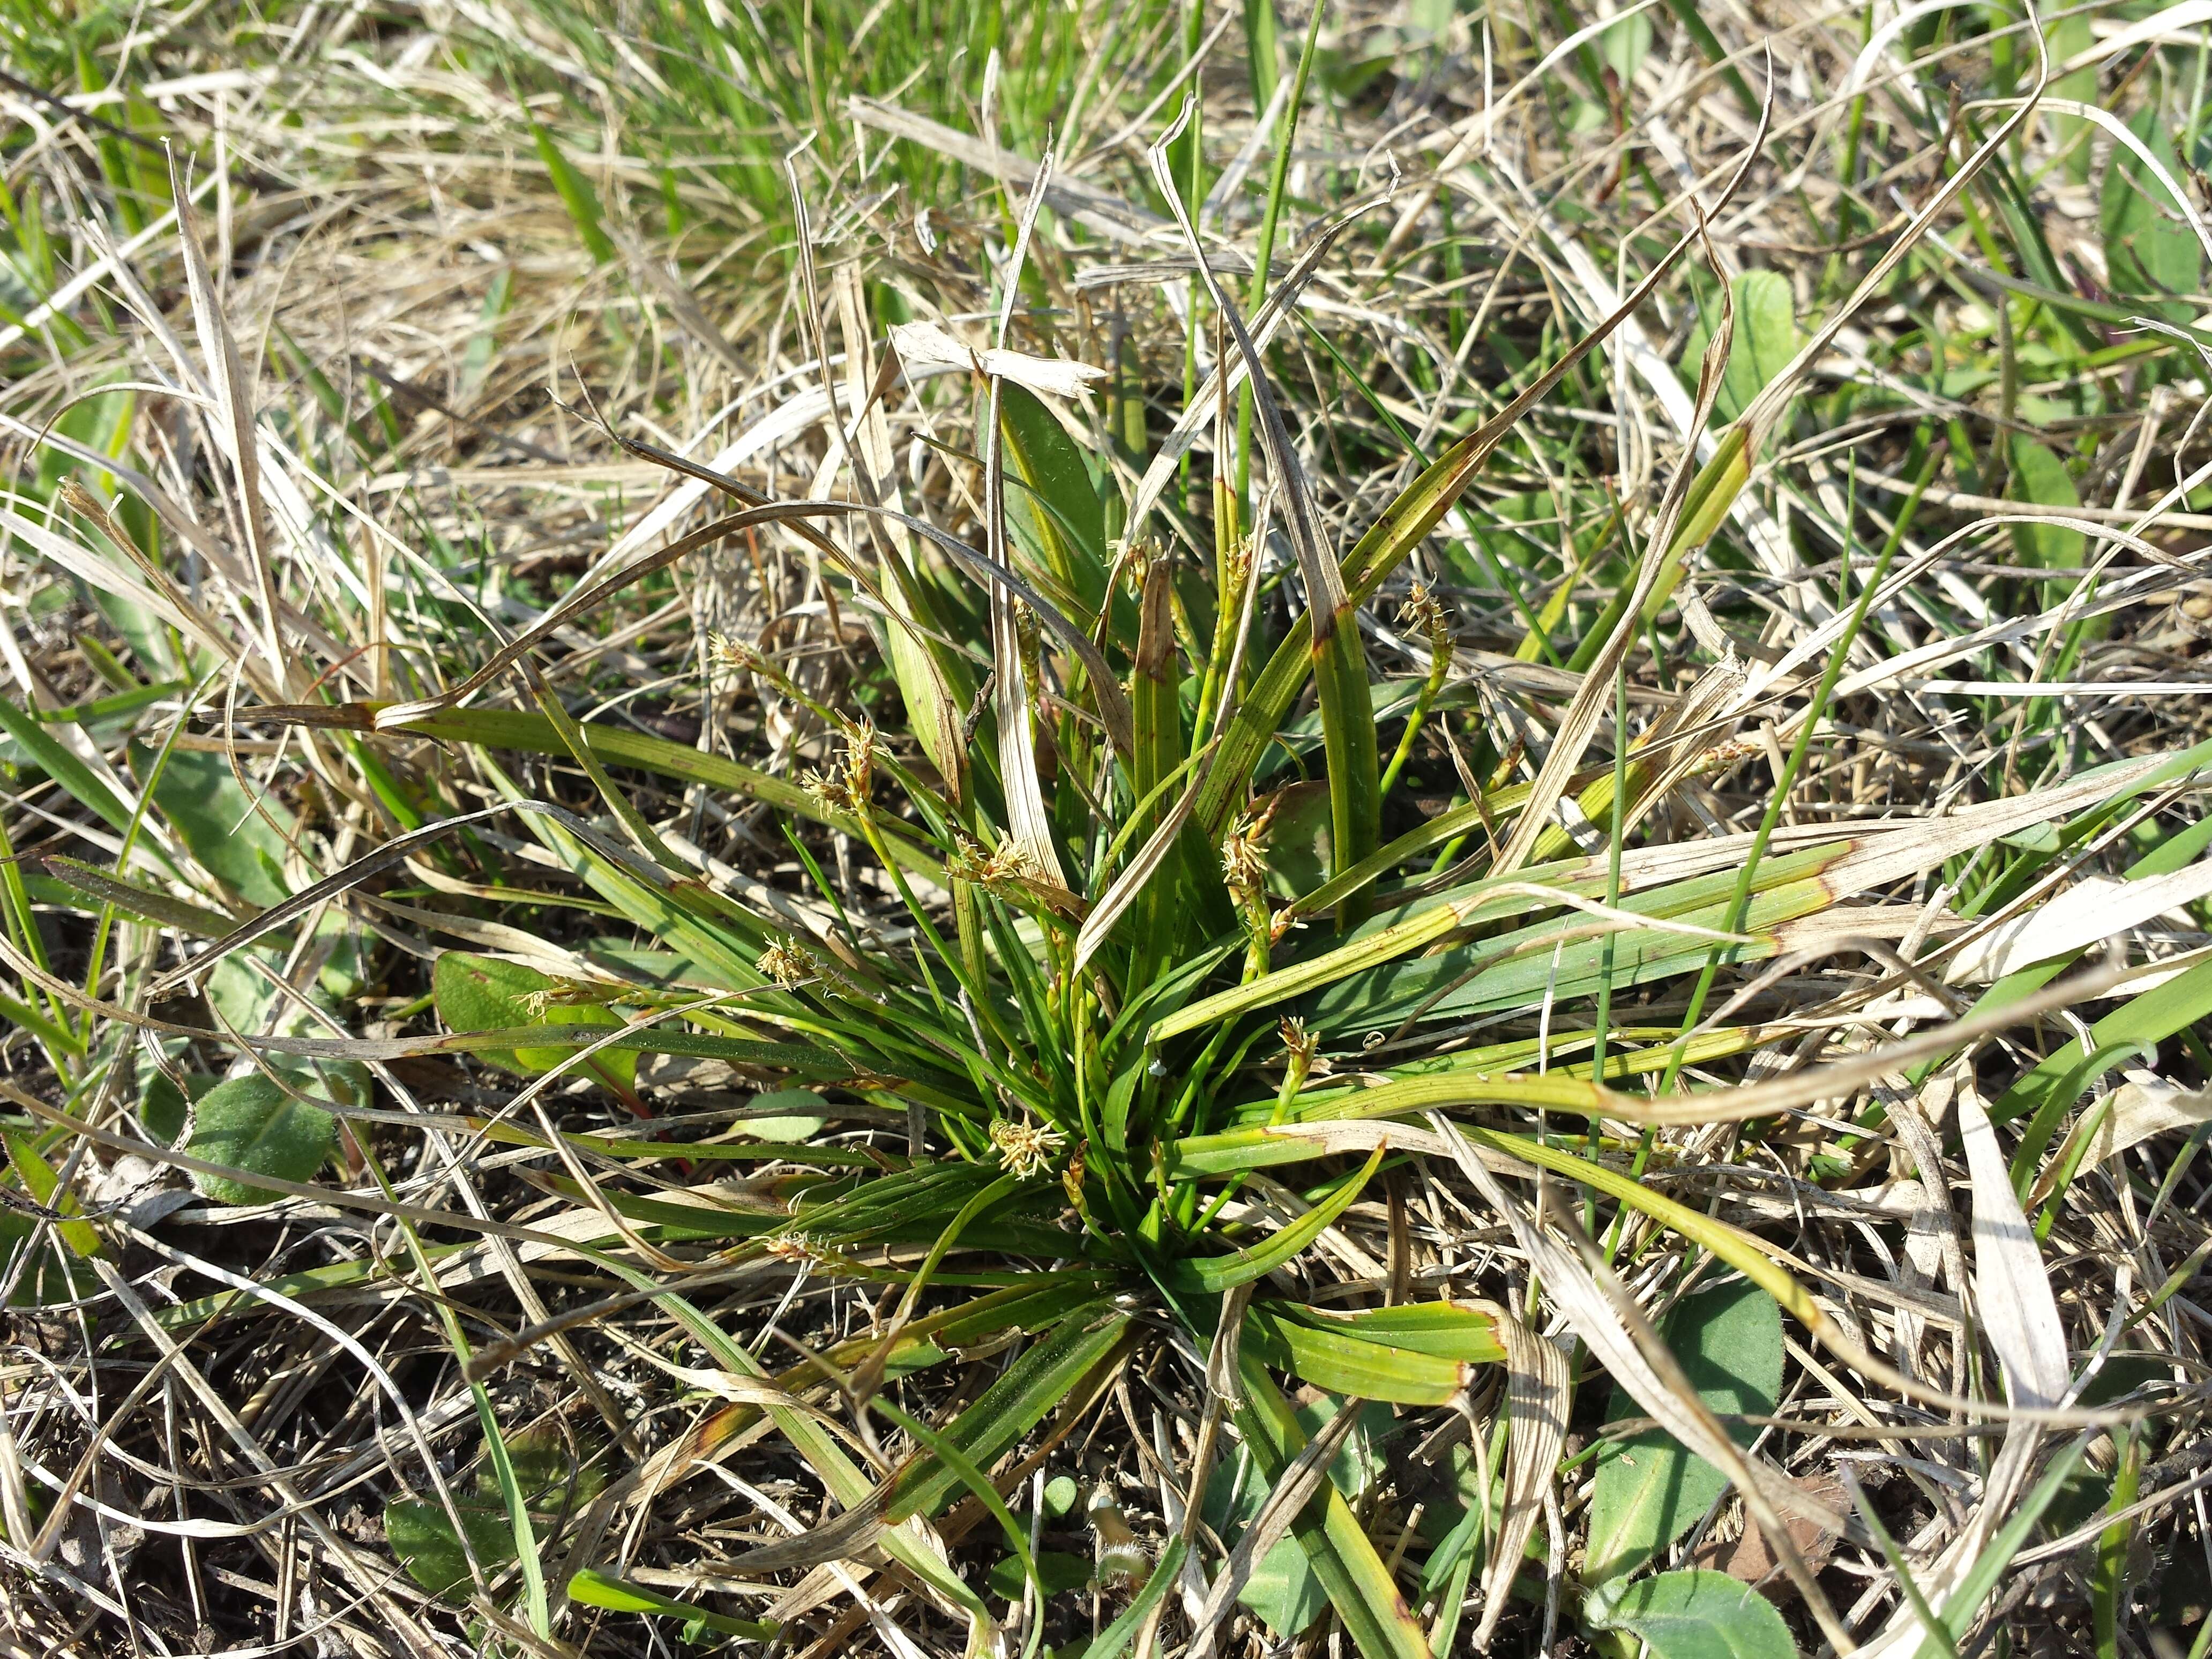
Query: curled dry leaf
{"points": [[1054, 377], [1536, 1403], [2144, 1105]]}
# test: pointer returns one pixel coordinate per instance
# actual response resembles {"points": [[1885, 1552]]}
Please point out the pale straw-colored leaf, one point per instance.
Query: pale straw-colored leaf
{"points": [[1537, 1397], [2092, 910], [926, 342]]}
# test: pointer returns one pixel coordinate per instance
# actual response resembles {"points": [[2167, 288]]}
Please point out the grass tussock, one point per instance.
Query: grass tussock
{"points": [[1104, 829]]}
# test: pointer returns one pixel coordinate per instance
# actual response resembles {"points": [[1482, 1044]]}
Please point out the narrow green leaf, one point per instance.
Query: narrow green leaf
{"points": [[1030, 1388], [576, 195], [1263, 52], [2057, 1081], [1965, 1605], [133, 899], [1282, 1588], [521, 1530], [1358, 1584], [595, 1588], [532, 733], [2108, 1584], [332, 1276], [1423, 1355], [1347, 724], [45, 1188], [1388, 542], [1060, 515], [1215, 1273], [79, 781], [964, 1468]]}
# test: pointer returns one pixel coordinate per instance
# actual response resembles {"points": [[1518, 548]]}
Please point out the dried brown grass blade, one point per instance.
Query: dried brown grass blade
{"points": [[1536, 1400], [1029, 822], [234, 396], [1608, 1319], [1285, 1504], [1580, 721]]}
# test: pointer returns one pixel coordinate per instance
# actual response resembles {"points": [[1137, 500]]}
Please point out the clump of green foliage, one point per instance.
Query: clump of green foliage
{"points": [[1165, 892]]}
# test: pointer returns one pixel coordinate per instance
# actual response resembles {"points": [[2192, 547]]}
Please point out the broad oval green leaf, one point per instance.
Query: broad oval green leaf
{"points": [[1057, 1571], [547, 1469], [2040, 477], [783, 1115], [423, 1535], [1625, 45], [165, 1107], [236, 838], [488, 994], [1695, 1615], [2149, 248], [1650, 1490], [253, 1125], [1765, 340]]}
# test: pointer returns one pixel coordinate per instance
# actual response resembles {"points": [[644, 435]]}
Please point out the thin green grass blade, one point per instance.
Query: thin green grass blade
{"points": [[1343, 1557], [595, 1589], [576, 195], [1031, 1387], [1213, 1274]]}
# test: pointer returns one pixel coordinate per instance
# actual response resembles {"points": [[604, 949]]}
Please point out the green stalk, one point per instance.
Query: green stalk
{"points": [[518, 1507], [1301, 1050], [1194, 35], [1440, 644], [2111, 1578], [1849, 175], [1347, 705], [1612, 900]]}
